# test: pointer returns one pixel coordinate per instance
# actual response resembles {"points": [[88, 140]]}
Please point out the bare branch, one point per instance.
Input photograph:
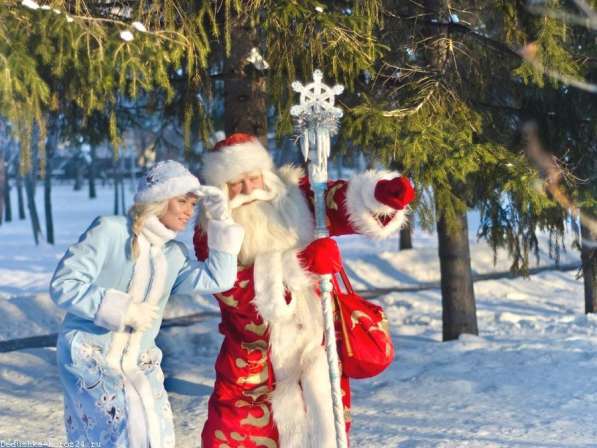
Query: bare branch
{"points": [[553, 173]]}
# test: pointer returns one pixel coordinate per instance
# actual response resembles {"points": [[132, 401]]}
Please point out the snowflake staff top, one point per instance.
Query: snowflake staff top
{"points": [[316, 120]]}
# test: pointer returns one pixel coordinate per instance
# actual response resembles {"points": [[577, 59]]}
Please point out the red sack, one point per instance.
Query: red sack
{"points": [[364, 344]]}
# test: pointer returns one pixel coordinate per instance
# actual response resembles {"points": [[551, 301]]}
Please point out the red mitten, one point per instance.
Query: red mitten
{"points": [[322, 256], [396, 193]]}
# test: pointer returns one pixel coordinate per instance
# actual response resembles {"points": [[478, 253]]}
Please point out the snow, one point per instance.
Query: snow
{"points": [[527, 380]]}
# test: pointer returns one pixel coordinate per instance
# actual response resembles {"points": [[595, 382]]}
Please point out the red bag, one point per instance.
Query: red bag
{"points": [[364, 344]]}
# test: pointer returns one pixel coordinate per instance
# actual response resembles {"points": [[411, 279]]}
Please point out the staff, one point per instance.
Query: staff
{"points": [[316, 120]]}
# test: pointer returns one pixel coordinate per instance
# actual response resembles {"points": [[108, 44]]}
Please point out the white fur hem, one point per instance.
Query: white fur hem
{"points": [[364, 210], [225, 236], [288, 409], [112, 309], [317, 393]]}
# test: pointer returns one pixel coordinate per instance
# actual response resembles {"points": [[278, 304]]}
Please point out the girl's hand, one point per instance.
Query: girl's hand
{"points": [[140, 316], [215, 203]]}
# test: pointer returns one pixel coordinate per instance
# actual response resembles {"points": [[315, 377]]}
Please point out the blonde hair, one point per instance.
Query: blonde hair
{"points": [[138, 213]]}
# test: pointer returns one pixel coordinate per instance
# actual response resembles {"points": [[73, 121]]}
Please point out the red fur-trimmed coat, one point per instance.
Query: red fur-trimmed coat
{"points": [[272, 386]]}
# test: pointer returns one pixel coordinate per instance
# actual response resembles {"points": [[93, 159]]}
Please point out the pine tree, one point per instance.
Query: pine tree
{"points": [[447, 102]]}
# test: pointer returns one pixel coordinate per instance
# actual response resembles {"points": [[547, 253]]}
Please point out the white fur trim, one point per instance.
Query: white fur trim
{"points": [[296, 348], [136, 426], [130, 358], [291, 174], [110, 313], [225, 236], [167, 189], [288, 409], [226, 164], [364, 210], [123, 354], [317, 393], [269, 288]]}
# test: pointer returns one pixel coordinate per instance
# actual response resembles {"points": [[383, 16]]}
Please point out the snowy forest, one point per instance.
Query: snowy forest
{"points": [[489, 107]]}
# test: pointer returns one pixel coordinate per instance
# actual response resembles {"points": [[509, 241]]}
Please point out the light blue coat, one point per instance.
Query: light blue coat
{"points": [[120, 401]]}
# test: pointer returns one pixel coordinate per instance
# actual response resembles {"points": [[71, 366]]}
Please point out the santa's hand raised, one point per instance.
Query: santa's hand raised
{"points": [[215, 203], [321, 257], [396, 193]]}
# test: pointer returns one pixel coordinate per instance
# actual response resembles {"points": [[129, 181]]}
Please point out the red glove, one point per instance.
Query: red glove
{"points": [[396, 193], [322, 256]]}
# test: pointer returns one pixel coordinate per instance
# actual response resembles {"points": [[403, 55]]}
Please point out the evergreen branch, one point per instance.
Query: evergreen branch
{"points": [[528, 53], [462, 29], [403, 112], [497, 106]]}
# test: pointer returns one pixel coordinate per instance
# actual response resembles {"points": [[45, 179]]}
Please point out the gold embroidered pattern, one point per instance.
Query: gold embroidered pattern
{"points": [[264, 441], [254, 378], [241, 363], [238, 437], [259, 330], [257, 392], [355, 316], [259, 422], [330, 201], [227, 300], [260, 346]]}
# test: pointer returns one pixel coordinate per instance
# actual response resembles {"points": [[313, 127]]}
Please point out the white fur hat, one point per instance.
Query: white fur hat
{"points": [[233, 156], [166, 180]]}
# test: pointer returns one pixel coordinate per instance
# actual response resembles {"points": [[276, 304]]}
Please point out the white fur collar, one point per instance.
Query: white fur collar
{"points": [[156, 233]]}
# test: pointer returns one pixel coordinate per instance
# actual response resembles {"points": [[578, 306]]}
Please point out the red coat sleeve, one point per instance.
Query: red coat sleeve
{"points": [[338, 220]]}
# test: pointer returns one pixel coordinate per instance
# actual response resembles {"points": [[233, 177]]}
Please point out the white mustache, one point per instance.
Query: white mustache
{"points": [[258, 194]]}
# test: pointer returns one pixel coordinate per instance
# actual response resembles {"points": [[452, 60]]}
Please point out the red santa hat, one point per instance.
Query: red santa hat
{"points": [[237, 154]]}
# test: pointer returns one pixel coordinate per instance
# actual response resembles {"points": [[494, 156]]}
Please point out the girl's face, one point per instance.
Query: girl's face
{"points": [[179, 212]]}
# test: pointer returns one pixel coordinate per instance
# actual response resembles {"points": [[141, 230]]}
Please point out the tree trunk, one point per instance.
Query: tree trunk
{"points": [[115, 170], [30, 191], [245, 100], [459, 314], [406, 241], [122, 172], [589, 267], [20, 200], [7, 201], [3, 185], [79, 173], [133, 173], [92, 190], [51, 146]]}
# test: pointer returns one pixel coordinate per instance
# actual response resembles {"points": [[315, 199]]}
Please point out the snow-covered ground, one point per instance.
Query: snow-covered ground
{"points": [[528, 380]]}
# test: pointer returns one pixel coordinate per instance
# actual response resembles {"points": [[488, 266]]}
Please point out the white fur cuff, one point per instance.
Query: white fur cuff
{"points": [[112, 309], [225, 236], [364, 210], [270, 291]]}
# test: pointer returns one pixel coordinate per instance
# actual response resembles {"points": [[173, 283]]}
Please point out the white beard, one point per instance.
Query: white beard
{"points": [[277, 225]]}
